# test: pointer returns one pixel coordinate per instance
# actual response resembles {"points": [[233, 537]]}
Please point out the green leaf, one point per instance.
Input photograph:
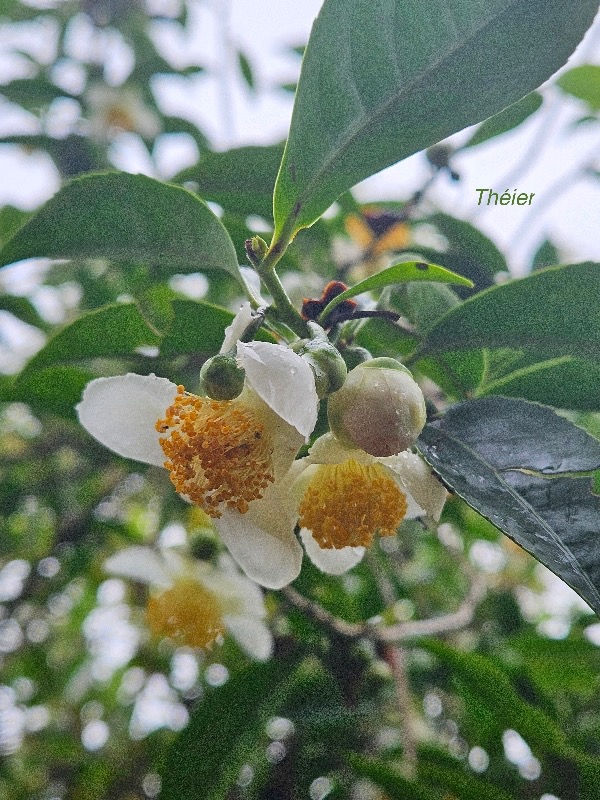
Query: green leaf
{"points": [[493, 688], [563, 382], [506, 120], [549, 322], [22, 308], [110, 331], [126, 218], [52, 390], [584, 83], [545, 256], [207, 756], [240, 180], [470, 252], [246, 70], [391, 780], [398, 273], [497, 453], [402, 76], [198, 327], [11, 219], [554, 312]]}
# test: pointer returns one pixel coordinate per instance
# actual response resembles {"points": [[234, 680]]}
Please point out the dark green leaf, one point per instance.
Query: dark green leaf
{"points": [[506, 120], [110, 331], [493, 452], [403, 76], [198, 327], [208, 755], [240, 180], [126, 218], [584, 83]]}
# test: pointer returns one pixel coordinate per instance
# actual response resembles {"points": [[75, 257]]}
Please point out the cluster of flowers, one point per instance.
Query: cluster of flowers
{"points": [[237, 460]]}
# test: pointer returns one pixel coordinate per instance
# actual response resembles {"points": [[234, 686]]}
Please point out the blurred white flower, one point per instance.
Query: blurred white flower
{"points": [[194, 602], [112, 110]]}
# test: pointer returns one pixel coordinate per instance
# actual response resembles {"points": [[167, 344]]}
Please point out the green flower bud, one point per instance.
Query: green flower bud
{"points": [[353, 356], [221, 378], [379, 409], [327, 364]]}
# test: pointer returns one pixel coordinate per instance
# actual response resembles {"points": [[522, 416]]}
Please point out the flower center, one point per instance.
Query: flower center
{"points": [[217, 452], [187, 613], [346, 504], [118, 116]]}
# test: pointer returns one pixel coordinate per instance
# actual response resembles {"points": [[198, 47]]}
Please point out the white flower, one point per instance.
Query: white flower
{"points": [[122, 108], [229, 456], [345, 496], [194, 603]]}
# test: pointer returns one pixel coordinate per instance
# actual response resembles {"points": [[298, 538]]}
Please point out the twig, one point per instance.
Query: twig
{"points": [[401, 632], [349, 629], [437, 625], [396, 659]]}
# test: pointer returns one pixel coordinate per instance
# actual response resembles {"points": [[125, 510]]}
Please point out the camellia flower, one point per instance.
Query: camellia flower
{"points": [[194, 603], [345, 496], [227, 456], [122, 108]]}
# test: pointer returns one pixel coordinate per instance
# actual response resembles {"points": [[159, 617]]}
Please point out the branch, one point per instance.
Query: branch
{"points": [[393, 633], [445, 623]]}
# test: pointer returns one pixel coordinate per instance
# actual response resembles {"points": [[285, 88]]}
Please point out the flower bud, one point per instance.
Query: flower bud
{"points": [[355, 355], [379, 409], [221, 378], [327, 365]]}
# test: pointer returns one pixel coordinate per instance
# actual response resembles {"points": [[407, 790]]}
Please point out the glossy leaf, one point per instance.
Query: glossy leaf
{"points": [[398, 273], [584, 83], [506, 120], [391, 780], [403, 76], [126, 217], [504, 457], [240, 180]]}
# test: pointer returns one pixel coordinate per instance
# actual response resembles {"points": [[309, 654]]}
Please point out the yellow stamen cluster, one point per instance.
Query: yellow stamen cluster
{"points": [[346, 504], [118, 116], [217, 452], [187, 613]]}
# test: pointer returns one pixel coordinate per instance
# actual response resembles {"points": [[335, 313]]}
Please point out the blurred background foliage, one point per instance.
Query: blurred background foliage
{"points": [[91, 706]]}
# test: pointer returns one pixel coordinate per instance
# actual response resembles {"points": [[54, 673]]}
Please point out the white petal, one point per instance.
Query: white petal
{"points": [[121, 412], [252, 283], [233, 332], [417, 479], [140, 564], [328, 450], [252, 635], [330, 560], [283, 380], [262, 541]]}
